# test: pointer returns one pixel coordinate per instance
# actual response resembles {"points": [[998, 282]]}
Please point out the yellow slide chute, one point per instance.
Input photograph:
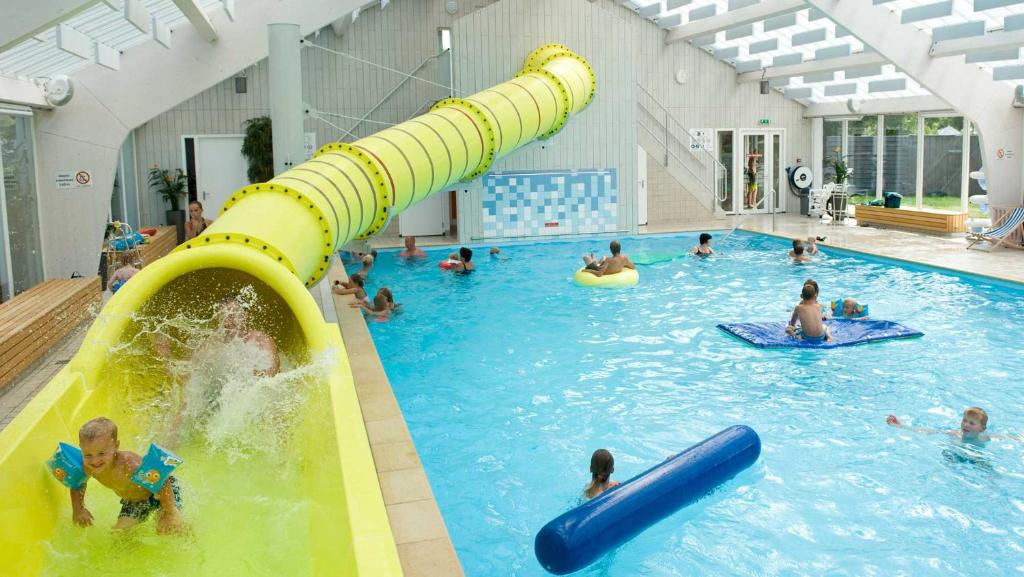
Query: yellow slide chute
{"points": [[279, 236]]}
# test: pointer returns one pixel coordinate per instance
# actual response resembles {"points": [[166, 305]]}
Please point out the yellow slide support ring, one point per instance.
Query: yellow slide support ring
{"points": [[562, 89], [385, 197], [489, 143], [270, 187]]}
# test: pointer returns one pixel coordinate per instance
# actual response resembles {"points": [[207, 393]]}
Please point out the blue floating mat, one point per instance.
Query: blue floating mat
{"points": [[772, 335]]}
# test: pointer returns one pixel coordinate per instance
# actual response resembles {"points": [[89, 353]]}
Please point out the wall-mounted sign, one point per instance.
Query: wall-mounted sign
{"points": [[74, 179], [765, 121], [701, 139]]}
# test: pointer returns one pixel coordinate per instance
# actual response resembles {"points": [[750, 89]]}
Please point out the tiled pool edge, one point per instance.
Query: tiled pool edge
{"points": [[424, 546], [1003, 280]]}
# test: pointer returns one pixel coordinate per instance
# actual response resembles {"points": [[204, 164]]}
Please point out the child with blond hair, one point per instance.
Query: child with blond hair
{"points": [[103, 460]]}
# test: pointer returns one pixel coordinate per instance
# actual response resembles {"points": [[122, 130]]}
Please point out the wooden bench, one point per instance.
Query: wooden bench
{"points": [[32, 322], [929, 219]]}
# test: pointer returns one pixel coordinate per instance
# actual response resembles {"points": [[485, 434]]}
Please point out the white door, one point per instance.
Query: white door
{"points": [[220, 170], [425, 218], [641, 189], [760, 173]]}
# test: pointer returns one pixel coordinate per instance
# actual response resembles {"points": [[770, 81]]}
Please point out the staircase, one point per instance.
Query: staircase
{"points": [[664, 138]]}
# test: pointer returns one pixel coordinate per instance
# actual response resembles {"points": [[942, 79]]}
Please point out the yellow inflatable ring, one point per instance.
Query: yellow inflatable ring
{"points": [[628, 277]]}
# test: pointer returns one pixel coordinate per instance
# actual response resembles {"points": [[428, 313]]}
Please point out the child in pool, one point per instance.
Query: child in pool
{"points": [[104, 461], [602, 465], [704, 248], [808, 313], [972, 427], [810, 247], [383, 304], [849, 309], [358, 289]]}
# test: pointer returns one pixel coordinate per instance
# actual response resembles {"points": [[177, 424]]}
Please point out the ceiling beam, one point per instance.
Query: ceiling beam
{"points": [[987, 43], [25, 18], [879, 106], [813, 67], [22, 91], [200, 21], [733, 19]]}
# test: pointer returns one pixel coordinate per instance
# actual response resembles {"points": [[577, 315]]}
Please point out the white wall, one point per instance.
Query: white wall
{"points": [[400, 37], [87, 133], [624, 50]]}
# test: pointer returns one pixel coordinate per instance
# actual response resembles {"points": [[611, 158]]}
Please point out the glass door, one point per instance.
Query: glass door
{"points": [[755, 176], [19, 216]]}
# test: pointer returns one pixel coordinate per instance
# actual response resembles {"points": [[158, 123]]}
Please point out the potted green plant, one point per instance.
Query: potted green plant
{"points": [[258, 149], [170, 185]]}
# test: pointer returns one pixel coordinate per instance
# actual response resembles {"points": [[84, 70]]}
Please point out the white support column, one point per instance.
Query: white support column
{"points": [[817, 145], [965, 87], [919, 165], [965, 163], [880, 157], [286, 95]]}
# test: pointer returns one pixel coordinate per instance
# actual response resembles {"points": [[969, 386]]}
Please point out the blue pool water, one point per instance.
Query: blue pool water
{"points": [[509, 378]]}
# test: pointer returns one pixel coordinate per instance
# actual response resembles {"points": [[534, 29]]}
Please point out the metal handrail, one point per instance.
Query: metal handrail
{"points": [[717, 188], [381, 102]]}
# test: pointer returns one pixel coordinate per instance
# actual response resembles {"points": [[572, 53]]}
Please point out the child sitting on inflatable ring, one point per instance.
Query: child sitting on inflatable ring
{"points": [[808, 313], [607, 266], [103, 460], [383, 304], [602, 465], [358, 290]]}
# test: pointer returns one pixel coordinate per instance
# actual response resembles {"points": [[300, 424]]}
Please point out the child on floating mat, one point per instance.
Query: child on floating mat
{"points": [[808, 314], [143, 483]]}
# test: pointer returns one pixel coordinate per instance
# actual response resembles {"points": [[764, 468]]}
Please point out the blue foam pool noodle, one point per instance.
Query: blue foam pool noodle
{"points": [[579, 537]]}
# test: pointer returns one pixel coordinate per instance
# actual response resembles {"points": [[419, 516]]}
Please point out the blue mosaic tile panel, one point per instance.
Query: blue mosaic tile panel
{"points": [[550, 202]]}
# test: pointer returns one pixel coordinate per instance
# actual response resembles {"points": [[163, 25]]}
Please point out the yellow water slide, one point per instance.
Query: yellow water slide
{"points": [[278, 237]]}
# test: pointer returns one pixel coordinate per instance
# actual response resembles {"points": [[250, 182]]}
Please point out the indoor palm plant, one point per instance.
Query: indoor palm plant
{"points": [[170, 185]]}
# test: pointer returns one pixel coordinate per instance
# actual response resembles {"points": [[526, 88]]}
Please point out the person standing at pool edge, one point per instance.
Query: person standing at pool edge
{"points": [[607, 266], [602, 465]]}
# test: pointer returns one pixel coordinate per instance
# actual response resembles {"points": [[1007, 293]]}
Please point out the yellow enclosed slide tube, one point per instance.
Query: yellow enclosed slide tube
{"points": [[352, 190], [279, 236]]}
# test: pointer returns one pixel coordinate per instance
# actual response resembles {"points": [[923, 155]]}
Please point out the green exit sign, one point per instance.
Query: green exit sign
{"points": [[765, 121]]}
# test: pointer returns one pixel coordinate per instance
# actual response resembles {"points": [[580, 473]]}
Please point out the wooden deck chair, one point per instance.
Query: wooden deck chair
{"points": [[1002, 230]]}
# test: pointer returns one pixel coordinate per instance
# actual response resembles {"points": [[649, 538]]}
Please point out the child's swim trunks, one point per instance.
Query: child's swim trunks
{"points": [[141, 509]]}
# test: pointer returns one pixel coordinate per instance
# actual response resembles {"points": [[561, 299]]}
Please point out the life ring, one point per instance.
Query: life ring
{"points": [[446, 264], [628, 277]]}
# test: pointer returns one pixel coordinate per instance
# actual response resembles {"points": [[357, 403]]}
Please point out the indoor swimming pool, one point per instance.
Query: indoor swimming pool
{"points": [[510, 377]]}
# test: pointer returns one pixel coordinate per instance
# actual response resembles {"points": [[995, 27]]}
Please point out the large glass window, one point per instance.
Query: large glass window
{"points": [[20, 214], [899, 162], [831, 149], [862, 158], [943, 155]]}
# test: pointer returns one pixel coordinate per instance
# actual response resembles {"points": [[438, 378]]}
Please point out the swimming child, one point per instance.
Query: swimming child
{"points": [[808, 313], [798, 254], [383, 304], [495, 251], [972, 427], [704, 248], [358, 290], [104, 461], [810, 247], [849, 310], [602, 465]]}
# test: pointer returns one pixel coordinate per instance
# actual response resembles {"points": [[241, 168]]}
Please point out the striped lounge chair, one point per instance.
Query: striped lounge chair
{"points": [[1005, 226]]}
